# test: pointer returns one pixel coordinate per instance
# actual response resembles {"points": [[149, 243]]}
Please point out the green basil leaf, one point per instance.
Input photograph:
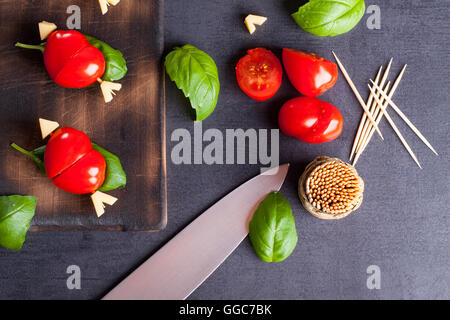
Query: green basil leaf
{"points": [[195, 73], [116, 66], [272, 229], [329, 17], [115, 176], [16, 213]]}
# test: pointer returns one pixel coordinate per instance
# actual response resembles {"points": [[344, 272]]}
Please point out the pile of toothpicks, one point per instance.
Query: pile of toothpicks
{"points": [[379, 99]]}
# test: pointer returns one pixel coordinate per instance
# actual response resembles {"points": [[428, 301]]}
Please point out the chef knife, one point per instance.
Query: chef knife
{"points": [[187, 260]]}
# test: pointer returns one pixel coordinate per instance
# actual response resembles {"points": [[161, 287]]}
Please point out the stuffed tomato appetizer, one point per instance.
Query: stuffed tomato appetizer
{"points": [[75, 60], [76, 165]]}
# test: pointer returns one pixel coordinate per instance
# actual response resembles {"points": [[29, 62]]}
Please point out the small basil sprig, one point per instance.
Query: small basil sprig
{"points": [[115, 64], [37, 155], [272, 229], [195, 73], [16, 213], [329, 17], [115, 176], [40, 47]]}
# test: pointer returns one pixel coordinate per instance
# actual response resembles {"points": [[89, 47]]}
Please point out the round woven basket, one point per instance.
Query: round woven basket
{"points": [[317, 162]]}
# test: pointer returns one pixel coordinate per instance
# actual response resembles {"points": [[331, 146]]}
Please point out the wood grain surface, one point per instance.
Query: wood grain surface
{"points": [[131, 126]]}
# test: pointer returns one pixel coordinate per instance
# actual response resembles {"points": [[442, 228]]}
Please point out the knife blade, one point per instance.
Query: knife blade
{"points": [[188, 259]]}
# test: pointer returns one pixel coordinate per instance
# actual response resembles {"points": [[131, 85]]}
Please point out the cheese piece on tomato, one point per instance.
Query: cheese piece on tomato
{"points": [[45, 28], [251, 20], [47, 127], [99, 198], [105, 3], [108, 89]]}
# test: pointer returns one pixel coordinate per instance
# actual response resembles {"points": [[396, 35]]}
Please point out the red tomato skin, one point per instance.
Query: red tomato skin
{"points": [[71, 61], [80, 71], [310, 120], [85, 176], [254, 79], [310, 74], [59, 49], [65, 147]]}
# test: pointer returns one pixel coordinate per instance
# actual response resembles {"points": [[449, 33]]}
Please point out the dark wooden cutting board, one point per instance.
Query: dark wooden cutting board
{"points": [[131, 126]]}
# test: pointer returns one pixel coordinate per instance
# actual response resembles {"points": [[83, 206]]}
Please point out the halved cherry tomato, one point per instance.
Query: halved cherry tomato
{"points": [[310, 74], [310, 120], [259, 74], [72, 164], [71, 61]]}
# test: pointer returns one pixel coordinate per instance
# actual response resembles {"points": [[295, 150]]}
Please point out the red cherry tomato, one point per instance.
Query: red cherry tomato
{"points": [[310, 74], [259, 74], [72, 164], [310, 120], [71, 61]]}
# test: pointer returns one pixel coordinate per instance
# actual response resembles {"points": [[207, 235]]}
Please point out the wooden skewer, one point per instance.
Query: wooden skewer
{"points": [[358, 96], [379, 115], [405, 118], [367, 127], [365, 124], [363, 119], [389, 119]]}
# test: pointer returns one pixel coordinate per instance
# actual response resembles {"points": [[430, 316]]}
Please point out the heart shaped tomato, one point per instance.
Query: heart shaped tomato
{"points": [[71, 61], [71, 163]]}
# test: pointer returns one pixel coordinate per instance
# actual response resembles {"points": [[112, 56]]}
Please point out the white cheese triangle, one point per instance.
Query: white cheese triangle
{"points": [[45, 28], [251, 20], [104, 198], [108, 89], [47, 127], [99, 198], [99, 208], [103, 6], [105, 3]]}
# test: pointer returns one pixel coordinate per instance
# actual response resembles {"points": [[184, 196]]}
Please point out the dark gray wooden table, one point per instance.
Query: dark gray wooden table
{"points": [[403, 225]]}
